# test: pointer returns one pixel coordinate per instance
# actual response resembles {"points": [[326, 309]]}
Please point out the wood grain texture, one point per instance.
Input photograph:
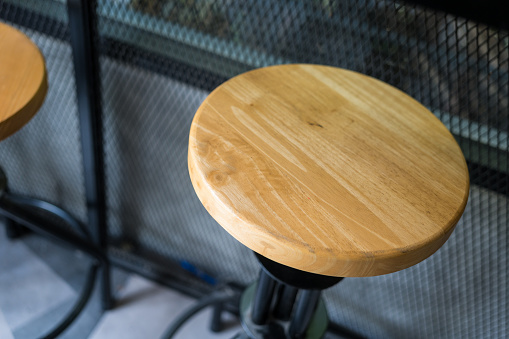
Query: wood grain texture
{"points": [[23, 80], [327, 170]]}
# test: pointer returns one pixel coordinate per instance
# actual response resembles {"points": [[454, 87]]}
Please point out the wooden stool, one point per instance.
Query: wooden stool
{"points": [[325, 173], [23, 80], [23, 87]]}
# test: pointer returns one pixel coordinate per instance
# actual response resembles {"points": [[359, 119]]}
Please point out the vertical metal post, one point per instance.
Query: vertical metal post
{"points": [[285, 301], [304, 309], [82, 25], [262, 298], [216, 324]]}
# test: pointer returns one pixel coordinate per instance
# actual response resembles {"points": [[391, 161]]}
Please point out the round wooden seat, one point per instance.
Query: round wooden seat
{"points": [[23, 80], [327, 170]]}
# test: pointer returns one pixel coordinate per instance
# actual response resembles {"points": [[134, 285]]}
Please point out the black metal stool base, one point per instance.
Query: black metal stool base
{"points": [[285, 303], [277, 328]]}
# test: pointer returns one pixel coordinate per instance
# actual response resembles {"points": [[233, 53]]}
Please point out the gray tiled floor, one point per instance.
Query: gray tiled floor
{"points": [[5, 331], [148, 312], [36, 290], [26, 299]]}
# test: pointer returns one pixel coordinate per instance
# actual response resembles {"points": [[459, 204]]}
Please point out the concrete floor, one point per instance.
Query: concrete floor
{"points": [[39, 281]]}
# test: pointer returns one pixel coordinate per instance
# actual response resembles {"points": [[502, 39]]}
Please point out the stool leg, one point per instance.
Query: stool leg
{"points": [[216, 325], [262, 299], [13, 230], [285, 302], [304, 309]]}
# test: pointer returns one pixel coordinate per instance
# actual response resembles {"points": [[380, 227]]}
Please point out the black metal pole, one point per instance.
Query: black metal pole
{"points": [[216, 325], [262, 298], [82, 26], [304, 310], [285, 302]]}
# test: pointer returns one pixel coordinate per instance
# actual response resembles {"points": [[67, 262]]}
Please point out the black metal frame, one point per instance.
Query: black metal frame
{"points": [[163, 65], [82, 26]]}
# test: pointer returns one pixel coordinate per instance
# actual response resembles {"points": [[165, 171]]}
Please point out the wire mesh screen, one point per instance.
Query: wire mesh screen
{"points": [[160, 58], [43, 159]]}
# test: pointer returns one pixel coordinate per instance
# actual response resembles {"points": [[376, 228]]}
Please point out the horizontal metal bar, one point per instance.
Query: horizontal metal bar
{"points": [[49, 19]]}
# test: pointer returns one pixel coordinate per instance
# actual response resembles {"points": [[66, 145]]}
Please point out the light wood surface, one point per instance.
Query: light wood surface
{"points": [[327, 170], [23, 80]]}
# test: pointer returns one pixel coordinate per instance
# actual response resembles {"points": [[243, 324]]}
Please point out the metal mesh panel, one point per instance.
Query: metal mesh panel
{"points": [[43, 159], [159, 60], [151, 202]]}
